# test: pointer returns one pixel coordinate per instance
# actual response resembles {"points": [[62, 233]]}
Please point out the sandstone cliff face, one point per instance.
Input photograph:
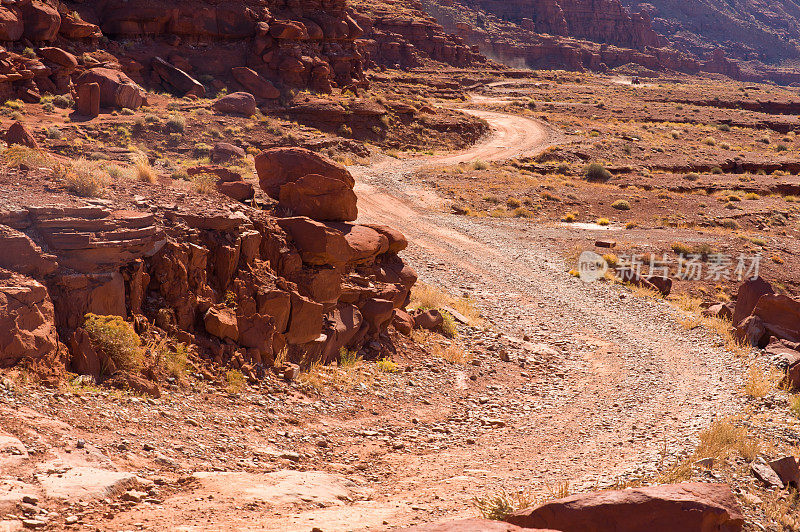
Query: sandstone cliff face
{"points": [[764, 30], [602, 21], [571, 34]]}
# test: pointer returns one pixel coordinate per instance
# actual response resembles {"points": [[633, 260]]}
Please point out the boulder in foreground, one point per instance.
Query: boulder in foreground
{"points": [[472, 525], [688, 507]]}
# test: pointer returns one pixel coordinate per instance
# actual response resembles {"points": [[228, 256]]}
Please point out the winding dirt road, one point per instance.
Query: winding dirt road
{"points": [[625, 388]]}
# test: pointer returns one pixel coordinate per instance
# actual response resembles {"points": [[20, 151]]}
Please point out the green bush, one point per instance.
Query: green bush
{"points": [[597, 172], [621, 205], [117, 340]]}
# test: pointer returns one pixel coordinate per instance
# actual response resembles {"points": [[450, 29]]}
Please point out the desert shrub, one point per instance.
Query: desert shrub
{"points": [[64, 101], [691, 176], [597, 172], [15, 105], [675, 134], [345, 130], [180, 174], [730, 224], [717, 170], [127, 112], [513, 203], [235, 381], [175, 124], [97, 156], [348, 358], [569, 217], [603, 221], [53, 133], [387, 366], [781, 147], [84, 180], [621, 205], [680, 248], [144, 171], [480, 165], [710, 141], [751, 196], [201, 149], [117, 340], [522, 212], [48, 107], [611, 259], [204, 183], [724, 127], [174, 363]]}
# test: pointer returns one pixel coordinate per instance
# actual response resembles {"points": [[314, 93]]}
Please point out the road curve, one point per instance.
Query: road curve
{"points": [[626, 384]]}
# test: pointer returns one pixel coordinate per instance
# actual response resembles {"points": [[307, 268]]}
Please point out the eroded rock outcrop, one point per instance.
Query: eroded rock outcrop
{"points": [[239, 284]]}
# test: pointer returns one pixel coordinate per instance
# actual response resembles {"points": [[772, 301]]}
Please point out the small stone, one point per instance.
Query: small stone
{"points": [[30, 499], [33, 523], [471, 441], [752, 499], [134, 496], [291, 456], [705, 463], [147, 447], [80, 444], [71, 520]]}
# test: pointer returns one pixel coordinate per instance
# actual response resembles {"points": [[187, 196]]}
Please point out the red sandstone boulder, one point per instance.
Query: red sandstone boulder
{"points": [[668, 508], [317, 243], [751, 331], [430, 320], [19, 134], [345, 325], [377, 313], [237, 190], [41, 20], [116, 89], [397, 241], [27, 320], [288, 29], [661, 283], [749, 293], [11, 26], [75, 28], [780, 315], [320, 198], [223, 152], [305, 321], [365, 243], [60, 57], [237, 103], [181, 82], [402, 322], [221, 322], [87, 102], [253, 83], [723, 311], [278, 166]]}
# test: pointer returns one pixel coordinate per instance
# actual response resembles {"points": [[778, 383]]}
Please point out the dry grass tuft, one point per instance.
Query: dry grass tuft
{"points": [[426, 296], [761, 381], [84, 180], [144, 171]]}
